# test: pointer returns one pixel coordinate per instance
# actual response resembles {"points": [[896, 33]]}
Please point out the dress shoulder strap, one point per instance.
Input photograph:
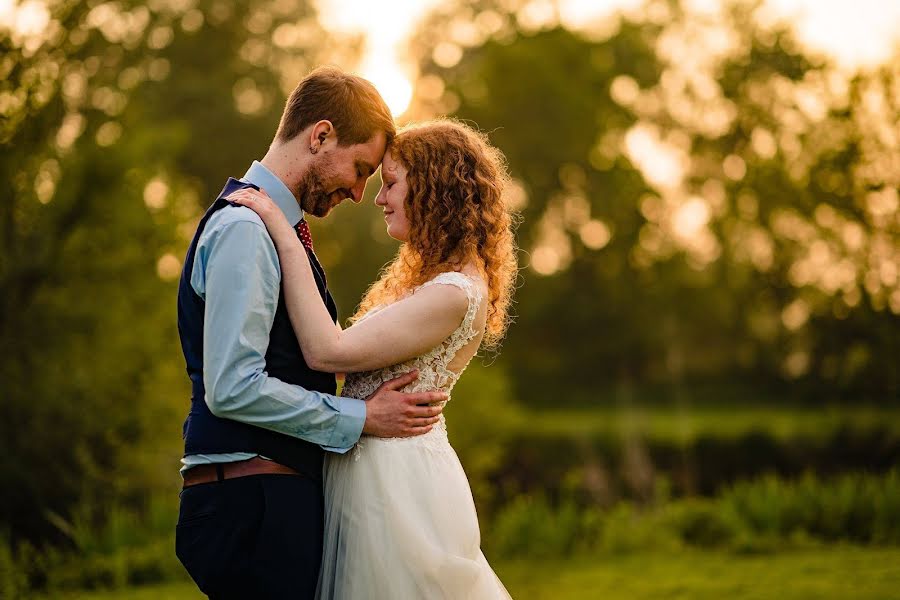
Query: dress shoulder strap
{"points": [[466, 283]]}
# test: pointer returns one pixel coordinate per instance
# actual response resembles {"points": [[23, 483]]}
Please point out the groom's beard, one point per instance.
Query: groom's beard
{"points": [[314, 198]]}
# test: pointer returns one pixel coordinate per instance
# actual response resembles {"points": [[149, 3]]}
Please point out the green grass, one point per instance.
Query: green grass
{"points": [[168, 591], [682, 425], [836, 572]]}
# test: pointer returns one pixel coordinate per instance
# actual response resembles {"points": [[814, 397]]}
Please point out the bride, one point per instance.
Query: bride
{"points": [[399, 517]]}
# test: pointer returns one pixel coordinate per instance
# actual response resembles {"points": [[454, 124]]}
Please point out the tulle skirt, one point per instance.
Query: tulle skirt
{"points": [[400, 524]]}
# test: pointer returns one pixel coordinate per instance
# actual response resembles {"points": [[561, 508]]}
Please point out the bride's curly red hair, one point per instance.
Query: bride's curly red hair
{"points": [[457, 213]]}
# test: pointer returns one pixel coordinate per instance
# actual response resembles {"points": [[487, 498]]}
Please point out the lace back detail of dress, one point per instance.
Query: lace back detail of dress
{"points": [[433, 367], [466, 330]]}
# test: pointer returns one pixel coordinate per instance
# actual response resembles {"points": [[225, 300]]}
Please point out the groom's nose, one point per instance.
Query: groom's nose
{"points": [[357, 191]]}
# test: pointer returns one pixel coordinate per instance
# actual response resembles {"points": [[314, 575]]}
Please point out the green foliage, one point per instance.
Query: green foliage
{"points": [[773, 283], [85, 312], [479, 420], [854, 507], [645, 455], [529, 525], [126, 547], [760, 515], [105, 166]]}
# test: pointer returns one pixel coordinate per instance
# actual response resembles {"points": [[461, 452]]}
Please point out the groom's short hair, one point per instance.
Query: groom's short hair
{"points": [[351, 103]]}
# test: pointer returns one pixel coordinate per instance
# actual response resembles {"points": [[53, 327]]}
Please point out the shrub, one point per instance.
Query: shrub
{"points": [[755, 516]]}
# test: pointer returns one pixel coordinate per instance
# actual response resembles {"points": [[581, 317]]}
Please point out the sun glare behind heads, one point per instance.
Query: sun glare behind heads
{"points": [[391, 82], [27, 19], [858, 34], [384, 62]]}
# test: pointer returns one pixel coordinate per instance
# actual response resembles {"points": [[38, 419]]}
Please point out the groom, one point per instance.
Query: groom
{"points": [[250, 523]]}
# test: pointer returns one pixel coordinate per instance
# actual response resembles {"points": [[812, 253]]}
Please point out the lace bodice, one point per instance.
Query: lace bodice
{"points": [[434, 366]]}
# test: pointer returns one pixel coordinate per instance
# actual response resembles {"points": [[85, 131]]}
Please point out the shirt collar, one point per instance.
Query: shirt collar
{"points": [[263, 178]]}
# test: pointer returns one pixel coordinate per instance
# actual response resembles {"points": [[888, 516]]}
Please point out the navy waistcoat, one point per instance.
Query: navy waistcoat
{"points": [[203, 432]]}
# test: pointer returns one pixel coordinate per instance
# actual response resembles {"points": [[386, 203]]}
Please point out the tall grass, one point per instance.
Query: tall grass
{"points": [[124, 547]]}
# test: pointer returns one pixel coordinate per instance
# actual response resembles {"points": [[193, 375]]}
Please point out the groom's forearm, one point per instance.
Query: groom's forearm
{"points": [[240, 285], [239, 388], [332, 422]]}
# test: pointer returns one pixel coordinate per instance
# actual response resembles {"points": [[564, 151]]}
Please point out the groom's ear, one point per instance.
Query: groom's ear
{"points": [[321, 131]]}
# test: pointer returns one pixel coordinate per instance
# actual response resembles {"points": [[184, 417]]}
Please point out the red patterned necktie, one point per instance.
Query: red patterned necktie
{"points": [[302, 229]]}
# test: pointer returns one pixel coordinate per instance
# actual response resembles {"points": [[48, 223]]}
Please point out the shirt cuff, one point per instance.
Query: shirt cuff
{"points": [[351, 418]]}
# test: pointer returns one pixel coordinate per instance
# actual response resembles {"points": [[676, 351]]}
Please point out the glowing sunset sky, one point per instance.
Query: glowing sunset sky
{"points": [[856, 34]]}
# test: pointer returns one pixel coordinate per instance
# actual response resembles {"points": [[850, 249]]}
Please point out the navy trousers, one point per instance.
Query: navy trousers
{"points": [[258, 536]]}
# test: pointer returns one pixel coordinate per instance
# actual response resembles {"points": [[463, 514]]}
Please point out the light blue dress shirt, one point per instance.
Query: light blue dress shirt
{"points": [[237, 273]]}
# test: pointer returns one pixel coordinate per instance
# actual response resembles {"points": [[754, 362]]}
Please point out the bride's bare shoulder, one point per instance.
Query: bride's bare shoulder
{"points": [[471, 284], [446, 290]]}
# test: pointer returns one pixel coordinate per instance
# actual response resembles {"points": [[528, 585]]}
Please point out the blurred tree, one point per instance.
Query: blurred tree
{"points": [[120, 120], [702, 199], [87, 215]]}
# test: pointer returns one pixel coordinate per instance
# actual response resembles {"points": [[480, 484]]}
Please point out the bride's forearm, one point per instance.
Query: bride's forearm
{"points": [[318, 337]]}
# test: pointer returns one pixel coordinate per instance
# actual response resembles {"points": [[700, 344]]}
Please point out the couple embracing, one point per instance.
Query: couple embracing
{"points": [[289, 490]]}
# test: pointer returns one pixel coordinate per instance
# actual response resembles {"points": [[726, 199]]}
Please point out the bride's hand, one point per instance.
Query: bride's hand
{"points": [[260, 203]]}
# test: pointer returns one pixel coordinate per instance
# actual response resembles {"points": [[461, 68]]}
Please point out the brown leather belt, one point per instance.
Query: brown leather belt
{"points": [[221, 471]]}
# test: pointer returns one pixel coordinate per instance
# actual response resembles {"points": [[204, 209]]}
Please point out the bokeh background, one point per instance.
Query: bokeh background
{"points": [[700, 396]]}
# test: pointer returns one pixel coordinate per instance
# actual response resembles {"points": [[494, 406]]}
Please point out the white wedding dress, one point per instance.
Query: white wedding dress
{"points": [[400, 522]]}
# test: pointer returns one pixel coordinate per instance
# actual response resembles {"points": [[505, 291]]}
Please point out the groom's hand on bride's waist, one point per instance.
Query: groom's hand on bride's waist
{"points": [[390, 413]]}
